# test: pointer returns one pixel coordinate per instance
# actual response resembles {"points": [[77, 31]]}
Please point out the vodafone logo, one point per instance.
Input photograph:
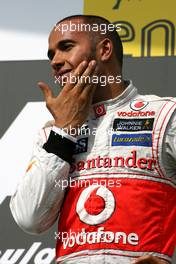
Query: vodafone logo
{"points": [[99, 110], [95, 205], [137, 105]]}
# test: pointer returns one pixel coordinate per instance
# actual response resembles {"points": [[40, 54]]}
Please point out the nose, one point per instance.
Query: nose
{"points": [[57, 62]]}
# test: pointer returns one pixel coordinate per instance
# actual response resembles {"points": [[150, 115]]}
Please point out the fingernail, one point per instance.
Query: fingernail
{"points": [[84, 63], [93, 63]]}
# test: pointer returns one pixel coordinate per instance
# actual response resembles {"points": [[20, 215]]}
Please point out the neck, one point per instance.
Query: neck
{"points": [[115, 84], [109, 91]]}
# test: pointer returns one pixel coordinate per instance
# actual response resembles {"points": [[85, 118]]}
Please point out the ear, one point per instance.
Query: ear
{"points": [[105, 48]]}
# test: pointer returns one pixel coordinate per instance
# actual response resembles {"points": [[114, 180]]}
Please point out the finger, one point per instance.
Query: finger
{"points": [[48, 94], [73, 79], [81, 68], [85, 78], [89, 89]]}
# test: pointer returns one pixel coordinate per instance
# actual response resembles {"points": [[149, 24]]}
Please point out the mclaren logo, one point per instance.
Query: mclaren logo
{"points": [[137, 105]]}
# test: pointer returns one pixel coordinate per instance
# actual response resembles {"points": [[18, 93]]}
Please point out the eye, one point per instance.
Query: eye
{"points": [[66, 46]]}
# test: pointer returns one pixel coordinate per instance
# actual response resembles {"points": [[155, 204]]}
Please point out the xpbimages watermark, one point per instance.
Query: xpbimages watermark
{"points": [[103, 80], [82, 27], [85, 130], [111, 183]]}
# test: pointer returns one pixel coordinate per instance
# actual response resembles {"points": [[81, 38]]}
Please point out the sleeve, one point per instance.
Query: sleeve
{"points": [[36, 203], [169, 148]]}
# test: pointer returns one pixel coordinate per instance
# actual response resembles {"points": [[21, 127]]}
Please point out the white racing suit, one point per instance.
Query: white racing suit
{"points": [[120, 200]]}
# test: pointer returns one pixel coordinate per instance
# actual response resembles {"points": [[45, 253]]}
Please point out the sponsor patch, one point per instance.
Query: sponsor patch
{"points": [[144, 140], [137, 105], [99, 110], [81, 145], [133, 125], [134, 114]]}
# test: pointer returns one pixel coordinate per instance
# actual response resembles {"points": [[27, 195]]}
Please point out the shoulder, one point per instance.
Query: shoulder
{"points": [[156, 98]]}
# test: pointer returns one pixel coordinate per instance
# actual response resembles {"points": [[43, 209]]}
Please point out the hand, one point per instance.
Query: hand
{"points": [[71, 107], [149, 260]]}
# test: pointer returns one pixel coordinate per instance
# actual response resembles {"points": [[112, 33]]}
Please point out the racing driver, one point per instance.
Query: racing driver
{"points": [[118, 205]]}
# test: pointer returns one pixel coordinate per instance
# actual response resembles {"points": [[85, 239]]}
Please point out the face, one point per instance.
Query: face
{"points": [[68, 49]]}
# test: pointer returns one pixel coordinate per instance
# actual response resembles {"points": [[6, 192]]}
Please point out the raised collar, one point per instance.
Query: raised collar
{"points": [[100, 108]]}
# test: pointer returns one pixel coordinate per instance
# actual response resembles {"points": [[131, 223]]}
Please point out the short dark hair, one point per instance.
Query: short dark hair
{"points": [[112, 35]]}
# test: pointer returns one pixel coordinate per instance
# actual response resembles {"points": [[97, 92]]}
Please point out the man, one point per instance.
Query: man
{"points": [[118, 166]]}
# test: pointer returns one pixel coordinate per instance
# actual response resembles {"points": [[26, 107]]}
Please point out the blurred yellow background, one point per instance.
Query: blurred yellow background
{"points": [[147, 26]]}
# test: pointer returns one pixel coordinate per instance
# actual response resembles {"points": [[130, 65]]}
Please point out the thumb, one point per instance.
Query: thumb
{"points": [[48, 94], [148, 260]]}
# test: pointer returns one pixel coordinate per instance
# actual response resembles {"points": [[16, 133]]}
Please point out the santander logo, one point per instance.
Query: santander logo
{"points": [[137, 105]]}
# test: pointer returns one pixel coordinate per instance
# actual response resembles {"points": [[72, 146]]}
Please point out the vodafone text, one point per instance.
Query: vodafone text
{"points": [[137, 113], [99, 236]]}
